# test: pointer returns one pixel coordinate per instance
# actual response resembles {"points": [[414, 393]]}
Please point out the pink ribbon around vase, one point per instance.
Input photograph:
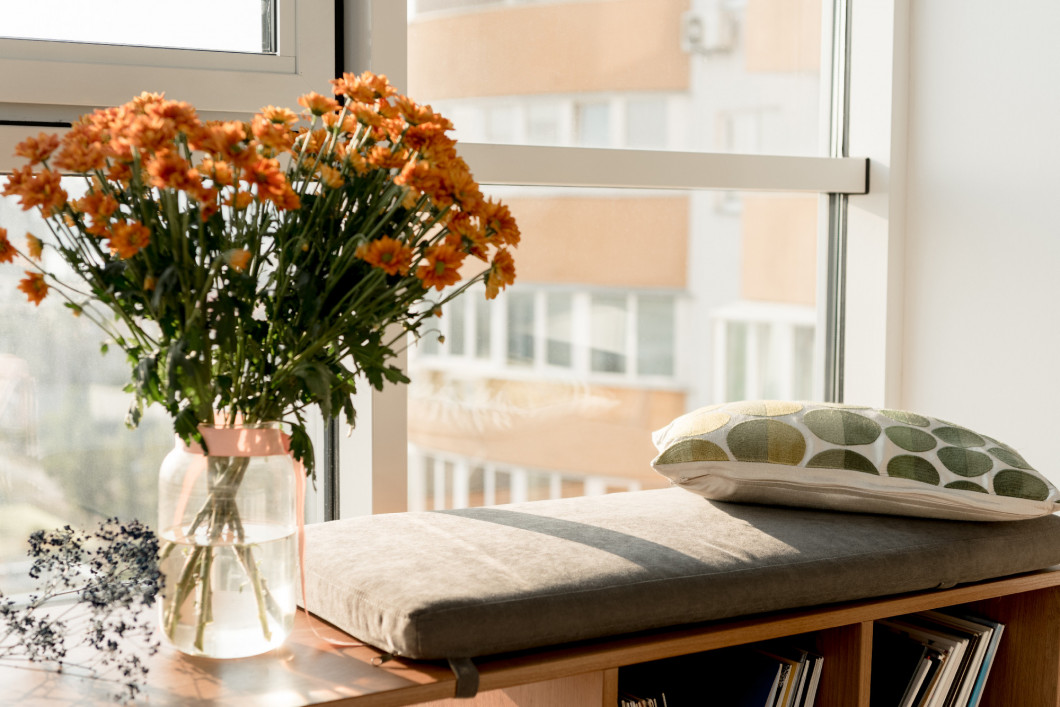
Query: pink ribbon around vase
{"points": [[254, 442]]}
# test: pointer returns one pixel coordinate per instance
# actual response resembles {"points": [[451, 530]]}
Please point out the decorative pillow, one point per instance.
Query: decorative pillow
{"points": [[849, 458]]}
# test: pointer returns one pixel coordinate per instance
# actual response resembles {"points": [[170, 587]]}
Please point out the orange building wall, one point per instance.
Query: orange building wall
{"points": [[605, 45], [622, 241], [779, 248], [783, 36], [547, 425]]}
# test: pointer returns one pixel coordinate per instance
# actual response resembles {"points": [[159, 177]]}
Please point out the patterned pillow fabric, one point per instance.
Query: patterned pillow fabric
{"points": [[849, 458]]}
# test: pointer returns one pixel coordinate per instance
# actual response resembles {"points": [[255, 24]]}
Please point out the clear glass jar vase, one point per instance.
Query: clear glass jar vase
{"points": [[229, 551]]}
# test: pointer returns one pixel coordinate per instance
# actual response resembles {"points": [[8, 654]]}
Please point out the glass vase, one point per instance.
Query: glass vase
{"points": [[228, 532]]}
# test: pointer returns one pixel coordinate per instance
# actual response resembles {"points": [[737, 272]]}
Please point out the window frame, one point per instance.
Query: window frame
{"points": [[384, 488], [51, 83], [372, 471]]}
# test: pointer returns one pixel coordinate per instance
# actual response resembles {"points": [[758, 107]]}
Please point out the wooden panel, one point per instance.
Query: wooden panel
{"points": [[587, 689], [626, 650], [845, 674], [610, 688], [1027, 666]]}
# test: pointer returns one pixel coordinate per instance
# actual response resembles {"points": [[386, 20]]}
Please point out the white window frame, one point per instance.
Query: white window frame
{"points": [[53, 82], [374, 458]]}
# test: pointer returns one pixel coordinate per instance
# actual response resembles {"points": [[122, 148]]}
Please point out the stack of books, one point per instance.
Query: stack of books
{"points": [[932, 659], [779, 674]]}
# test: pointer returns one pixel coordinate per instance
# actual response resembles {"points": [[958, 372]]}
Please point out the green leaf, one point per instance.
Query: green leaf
{"points": [[302, 448], [318, 381]]}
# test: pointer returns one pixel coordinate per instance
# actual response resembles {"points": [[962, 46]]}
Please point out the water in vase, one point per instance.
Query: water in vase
{"points": [[236, 599]]}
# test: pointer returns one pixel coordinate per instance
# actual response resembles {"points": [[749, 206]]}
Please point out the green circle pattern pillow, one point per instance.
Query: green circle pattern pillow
{"points": [[849, 458]]}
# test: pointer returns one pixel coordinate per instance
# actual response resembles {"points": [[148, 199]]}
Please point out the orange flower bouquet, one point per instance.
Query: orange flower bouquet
{"points": [[250, 271]]}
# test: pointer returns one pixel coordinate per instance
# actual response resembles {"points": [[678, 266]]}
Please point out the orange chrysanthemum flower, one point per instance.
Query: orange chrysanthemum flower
{"points": [[382, 157], [100, 206], [464, 188], [238, 259], [120, 172], [34, 286], [275, 136], [140, 103], [466, 234], [348, 124], [317, 104], [224, 139], [168, 169], [501, 274], [128, 238], [149, 133], [181, 116], [34, 246], [7, 251], [80, 151], [366, 88], [219, 171], [240, 200], [390, 255], [37, 149], [442, 267], [330, 177], [265, 174], [311, 141], [499, 222], [42, 189]]}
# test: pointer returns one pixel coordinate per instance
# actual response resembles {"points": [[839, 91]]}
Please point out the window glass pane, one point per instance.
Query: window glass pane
{"points": [[803, 374], [608, 342], [66, 456], [543, 122], [520, 328], [232, 25], [457, 329], [655, 335], [736, 360], [594, 125], [560, 328], [502, 481], [483, 330], [646, 123], [705, 76], [618, 358]]}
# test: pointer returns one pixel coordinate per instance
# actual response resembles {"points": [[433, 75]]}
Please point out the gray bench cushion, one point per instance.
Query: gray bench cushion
{"points": [[473, 582]]}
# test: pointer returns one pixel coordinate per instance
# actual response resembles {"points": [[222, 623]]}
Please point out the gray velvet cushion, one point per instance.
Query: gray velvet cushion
{"points": [[465, 583]]}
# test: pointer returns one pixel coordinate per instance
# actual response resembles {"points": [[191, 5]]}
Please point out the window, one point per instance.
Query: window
{"points": [[56, 81], [65, 454], [658, 95], [650, 282], [93, 23], [542, 336], [765, 352], [607, 346]]}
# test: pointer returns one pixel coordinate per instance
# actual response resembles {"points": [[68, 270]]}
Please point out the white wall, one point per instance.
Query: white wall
{"points": [[981, 306]]}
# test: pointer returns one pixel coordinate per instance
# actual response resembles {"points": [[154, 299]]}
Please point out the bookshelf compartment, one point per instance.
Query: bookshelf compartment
{"points": [[1025, 672]]}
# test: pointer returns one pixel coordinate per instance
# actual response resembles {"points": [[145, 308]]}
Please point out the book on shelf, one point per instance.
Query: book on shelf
{"points": [[978, 639], [802, 663], [899, 667], [809, 694], [952, 651], [932, 659], [743, 676], [988, 657]]}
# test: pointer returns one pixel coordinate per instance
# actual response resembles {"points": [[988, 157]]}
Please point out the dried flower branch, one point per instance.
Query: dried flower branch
{"points": [[93, 588]]}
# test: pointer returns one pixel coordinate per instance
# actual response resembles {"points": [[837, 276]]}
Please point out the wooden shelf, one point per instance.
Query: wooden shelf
{"points": [[308, 670]]}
